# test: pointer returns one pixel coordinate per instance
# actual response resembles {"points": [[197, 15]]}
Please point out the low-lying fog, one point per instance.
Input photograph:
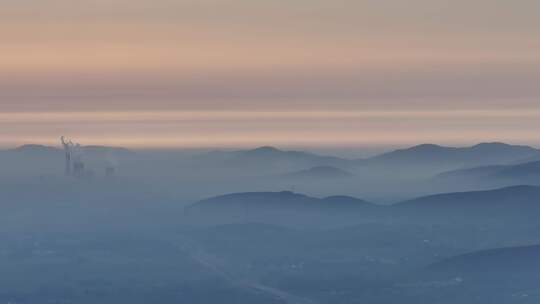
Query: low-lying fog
{"points": [[270, 226]]}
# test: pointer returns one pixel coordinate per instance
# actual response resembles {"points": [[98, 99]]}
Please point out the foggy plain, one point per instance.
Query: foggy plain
{"points": [[264, 225]]}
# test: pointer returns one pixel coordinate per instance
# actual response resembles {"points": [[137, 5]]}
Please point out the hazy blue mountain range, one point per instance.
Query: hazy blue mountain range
{"points": [[427, 154], [478, 154], [270, 160], [286, 208], [388, 178], [432, 159], [520, 173], [406, 164], [483, 206], [267, 160], [319, 173], [530, 159], [286, 200], [515, 201]]}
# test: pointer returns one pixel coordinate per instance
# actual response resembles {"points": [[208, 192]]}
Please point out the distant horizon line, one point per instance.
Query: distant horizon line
{"points": [[283, 148], [312, 129]]}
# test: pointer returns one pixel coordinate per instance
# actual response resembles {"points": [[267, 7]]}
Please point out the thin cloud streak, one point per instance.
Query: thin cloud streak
{"points": [[130, 116], [159, 116], [160, 129]]}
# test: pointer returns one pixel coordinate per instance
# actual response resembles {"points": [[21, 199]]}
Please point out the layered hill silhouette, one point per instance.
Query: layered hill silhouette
{"points": [[519, 173], [481, 154], [515, 201], [438, 158], [530, 159], [271, 200], [278, 207], [521, 202], [268, 160], [318, 173], [426, 159]]}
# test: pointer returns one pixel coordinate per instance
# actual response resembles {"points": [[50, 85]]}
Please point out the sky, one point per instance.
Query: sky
{"points": [[231, 73]]}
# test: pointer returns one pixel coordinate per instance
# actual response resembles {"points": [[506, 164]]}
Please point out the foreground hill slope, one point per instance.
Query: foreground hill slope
{"points": [[502, 275], [501, 260]]}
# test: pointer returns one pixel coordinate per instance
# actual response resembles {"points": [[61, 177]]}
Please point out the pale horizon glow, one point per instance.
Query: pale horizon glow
{"points": [[236, 129]]}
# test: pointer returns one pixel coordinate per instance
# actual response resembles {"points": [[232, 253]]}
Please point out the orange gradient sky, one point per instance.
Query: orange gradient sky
{"points": [[188, 73]]}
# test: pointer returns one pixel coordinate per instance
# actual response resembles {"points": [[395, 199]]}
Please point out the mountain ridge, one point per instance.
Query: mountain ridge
{"points": [[515, 171], [508, 202], [437, 153], [319, 172]]}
